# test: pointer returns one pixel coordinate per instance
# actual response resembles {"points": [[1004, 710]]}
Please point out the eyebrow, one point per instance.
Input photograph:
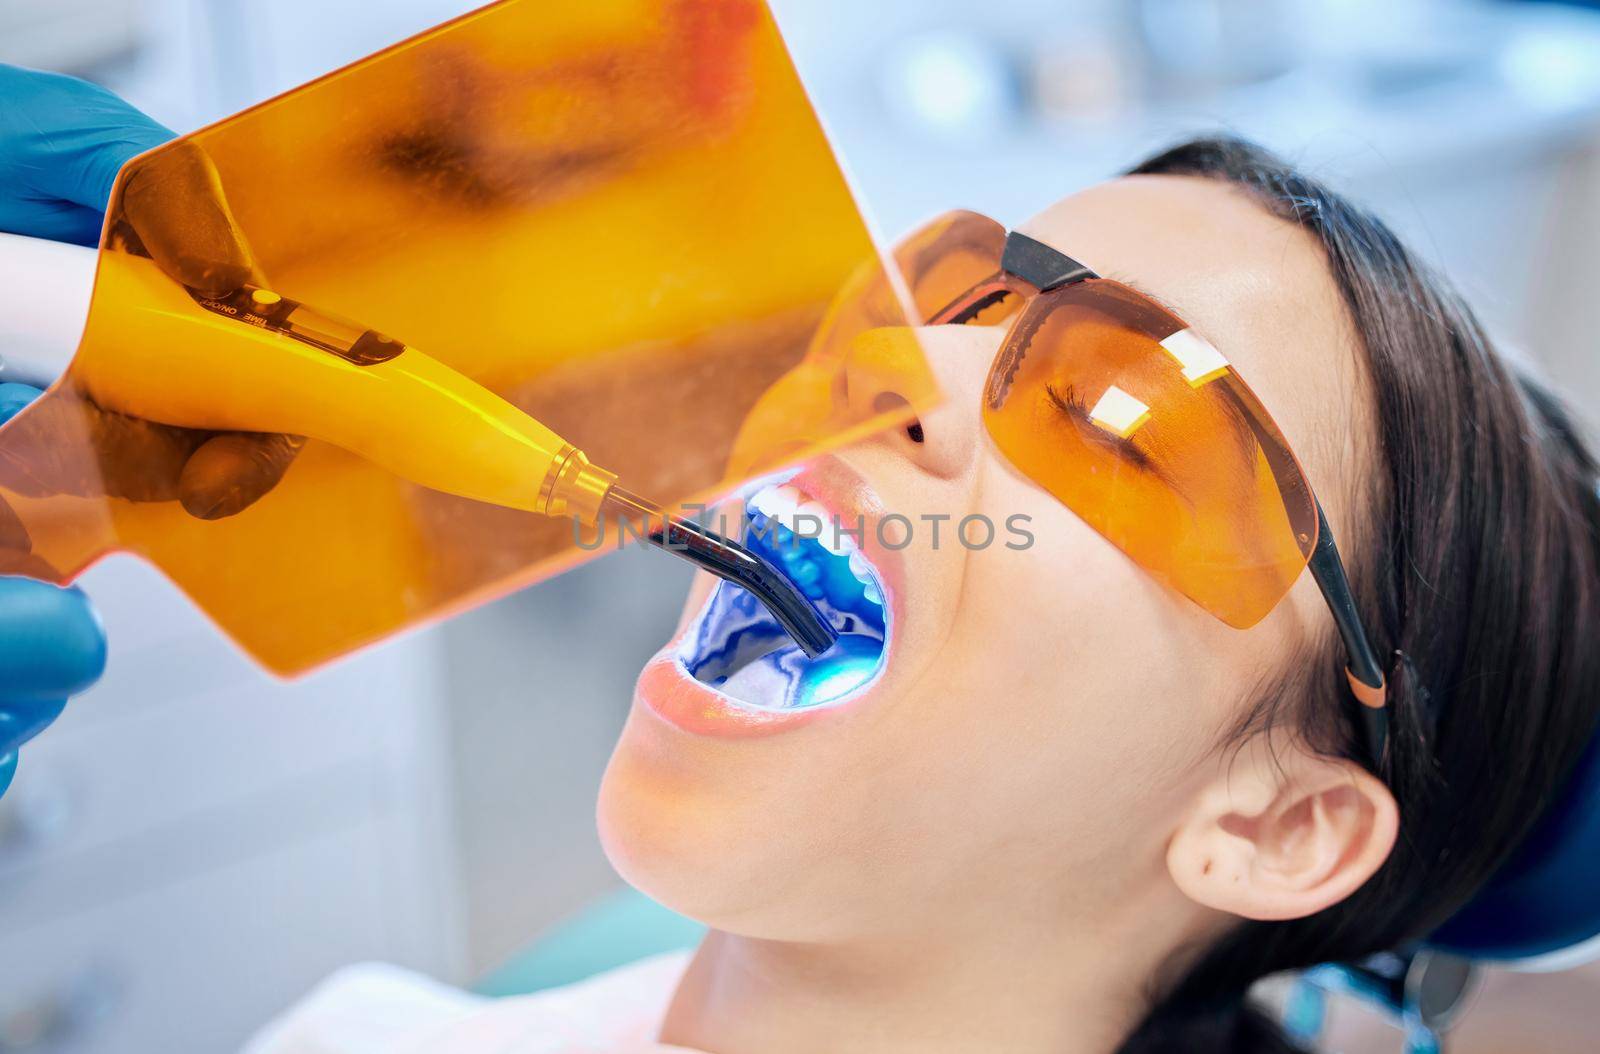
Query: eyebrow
{"points": [[1148, 294]]}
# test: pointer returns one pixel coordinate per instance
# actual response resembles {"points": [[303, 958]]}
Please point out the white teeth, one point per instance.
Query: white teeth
{"points": [[794, 509], [860, 568], [811, 521], [836, 536], [837, 541], [778, 503], [797, 511]]}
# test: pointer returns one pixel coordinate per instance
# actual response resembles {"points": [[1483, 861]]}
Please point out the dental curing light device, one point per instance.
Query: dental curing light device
{"points": [[616, 256], [253, 360]]}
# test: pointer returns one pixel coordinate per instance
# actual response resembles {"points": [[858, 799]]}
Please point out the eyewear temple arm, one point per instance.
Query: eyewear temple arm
{"points": [[1364, 670]]}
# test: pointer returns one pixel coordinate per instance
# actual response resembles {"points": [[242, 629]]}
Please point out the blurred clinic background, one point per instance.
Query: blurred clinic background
{"points": [[194, 846]]}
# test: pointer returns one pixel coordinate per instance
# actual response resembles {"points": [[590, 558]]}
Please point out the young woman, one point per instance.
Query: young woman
{"points": [[1078, 809]]}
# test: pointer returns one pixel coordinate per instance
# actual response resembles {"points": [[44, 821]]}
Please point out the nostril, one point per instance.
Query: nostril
{"points": [[889, 403]]}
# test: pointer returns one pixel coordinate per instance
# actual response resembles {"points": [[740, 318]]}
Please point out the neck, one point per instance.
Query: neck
{"points": [[1081, 996]]}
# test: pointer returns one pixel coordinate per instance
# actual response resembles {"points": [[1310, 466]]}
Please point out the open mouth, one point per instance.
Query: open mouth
{"points": [[735, 647]]}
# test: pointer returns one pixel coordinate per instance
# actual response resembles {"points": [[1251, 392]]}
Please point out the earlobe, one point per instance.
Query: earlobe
{"points": [[1282, 835]]}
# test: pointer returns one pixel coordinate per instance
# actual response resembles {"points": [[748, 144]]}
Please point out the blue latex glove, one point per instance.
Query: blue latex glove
{"points": [[62, 142], [51, 643]]}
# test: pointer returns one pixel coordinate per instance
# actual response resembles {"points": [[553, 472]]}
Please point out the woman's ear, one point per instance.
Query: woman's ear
{"points": [[1282, 834]]}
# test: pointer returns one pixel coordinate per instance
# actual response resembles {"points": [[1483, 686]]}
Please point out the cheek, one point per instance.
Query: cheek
{"points": [[1076, 674]]}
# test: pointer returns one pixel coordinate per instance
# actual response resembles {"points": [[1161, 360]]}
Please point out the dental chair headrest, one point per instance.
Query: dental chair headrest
{"points": [[1542, 910]]}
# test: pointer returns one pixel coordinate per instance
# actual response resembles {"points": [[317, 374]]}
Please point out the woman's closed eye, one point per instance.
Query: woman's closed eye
{"points": [[1075, 409]]}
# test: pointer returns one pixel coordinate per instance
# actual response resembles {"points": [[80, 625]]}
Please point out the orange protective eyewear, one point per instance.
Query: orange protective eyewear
{"points": [[1143, 429]]}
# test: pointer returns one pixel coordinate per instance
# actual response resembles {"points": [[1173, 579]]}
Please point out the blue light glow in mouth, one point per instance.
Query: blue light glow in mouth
{"points": [[737, 648]]}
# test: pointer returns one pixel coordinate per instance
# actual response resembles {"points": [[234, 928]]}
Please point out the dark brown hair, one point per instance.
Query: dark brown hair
{"points": [[1478, 572]]}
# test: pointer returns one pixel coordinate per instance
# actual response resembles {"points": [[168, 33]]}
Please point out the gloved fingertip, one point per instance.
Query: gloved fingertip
{"points": [[52, 643], [81, 648], [14, 397], [230, 472]]}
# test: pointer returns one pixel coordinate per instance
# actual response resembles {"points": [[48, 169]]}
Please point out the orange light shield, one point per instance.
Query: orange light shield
{"points": [[619, 218]]}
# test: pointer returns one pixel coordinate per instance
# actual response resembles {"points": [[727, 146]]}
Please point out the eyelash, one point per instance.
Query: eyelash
{"points": [[1076, 410]]}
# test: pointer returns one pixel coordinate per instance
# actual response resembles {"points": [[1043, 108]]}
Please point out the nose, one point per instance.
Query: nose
{"points": [[887, 375]]}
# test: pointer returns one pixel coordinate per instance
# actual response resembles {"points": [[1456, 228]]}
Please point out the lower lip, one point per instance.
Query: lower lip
{"points": [[667, 690]]}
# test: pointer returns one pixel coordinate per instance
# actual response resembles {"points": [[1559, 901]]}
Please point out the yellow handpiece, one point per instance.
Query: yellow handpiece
{"points": [[255, 361], [268, 364]]}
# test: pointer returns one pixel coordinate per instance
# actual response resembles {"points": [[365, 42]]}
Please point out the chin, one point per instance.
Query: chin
{"points": [[690, 842], [641, 818]]}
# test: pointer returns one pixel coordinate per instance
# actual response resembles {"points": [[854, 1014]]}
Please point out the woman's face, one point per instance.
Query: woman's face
{"points": [[1045, 715]]}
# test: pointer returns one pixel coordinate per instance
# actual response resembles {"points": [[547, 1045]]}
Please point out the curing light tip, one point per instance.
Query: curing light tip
{"points": [[731, 562]]}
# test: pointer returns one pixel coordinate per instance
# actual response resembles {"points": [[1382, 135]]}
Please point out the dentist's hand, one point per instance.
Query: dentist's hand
{"points": [[51, 644], [62, 143]]}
